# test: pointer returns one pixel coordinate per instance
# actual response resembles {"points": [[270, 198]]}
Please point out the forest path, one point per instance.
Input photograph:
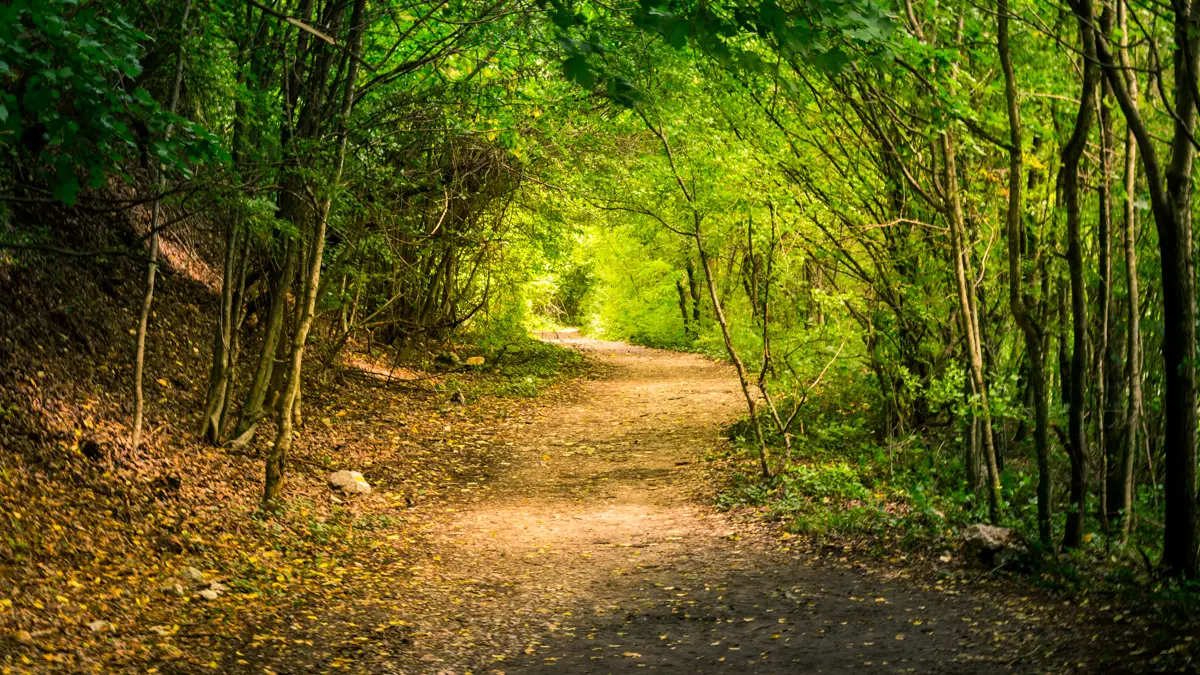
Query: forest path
{"points": [[591, 550], [592, 556]]}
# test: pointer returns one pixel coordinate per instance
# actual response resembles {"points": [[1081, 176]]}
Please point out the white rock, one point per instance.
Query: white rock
{"points": [[218, 587], [349, 482], [209, 594], [990, 537]]}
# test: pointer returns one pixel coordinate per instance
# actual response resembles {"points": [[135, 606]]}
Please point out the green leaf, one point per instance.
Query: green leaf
{"points": [[577, 70], [67, 191]]}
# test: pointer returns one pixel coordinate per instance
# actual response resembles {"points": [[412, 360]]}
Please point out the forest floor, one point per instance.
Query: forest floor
{"points": [[591, 549]]}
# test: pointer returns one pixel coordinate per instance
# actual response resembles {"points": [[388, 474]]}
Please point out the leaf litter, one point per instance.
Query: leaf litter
{"points": [[567, 533]]}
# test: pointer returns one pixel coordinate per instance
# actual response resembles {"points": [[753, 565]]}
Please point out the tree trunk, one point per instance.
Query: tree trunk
{"points": [[683, 307], [739, 366], [1133, 343], [1072, 152], [218, 378], [695, 292], [1105, 418], [1016, 298], [958, 252], [277, 457], [139, 359], [260, 384]]}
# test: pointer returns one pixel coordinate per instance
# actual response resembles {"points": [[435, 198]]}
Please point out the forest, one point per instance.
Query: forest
{"points": [[924, 270]]}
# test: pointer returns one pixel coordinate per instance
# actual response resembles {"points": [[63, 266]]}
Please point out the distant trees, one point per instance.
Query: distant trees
{"points": [[909, 151]]}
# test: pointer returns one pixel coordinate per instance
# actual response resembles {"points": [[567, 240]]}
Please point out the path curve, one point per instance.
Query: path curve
{"points": [[593, 556]]}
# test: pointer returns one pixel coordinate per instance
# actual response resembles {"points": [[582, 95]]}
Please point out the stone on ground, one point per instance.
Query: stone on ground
{"points": [[349, 482], [993, 545]]}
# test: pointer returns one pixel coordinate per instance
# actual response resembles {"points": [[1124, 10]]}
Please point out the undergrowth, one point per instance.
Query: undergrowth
{"points": [[517, 367], [911, 493]]}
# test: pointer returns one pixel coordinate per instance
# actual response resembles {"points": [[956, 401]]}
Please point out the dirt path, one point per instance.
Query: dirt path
{"points": [[590, 554], [591, 557]]}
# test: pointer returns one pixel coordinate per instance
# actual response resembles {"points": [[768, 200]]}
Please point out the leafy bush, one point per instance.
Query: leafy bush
{"points": [[858, 519], [833, 480], [65, 104], [744, 491]]}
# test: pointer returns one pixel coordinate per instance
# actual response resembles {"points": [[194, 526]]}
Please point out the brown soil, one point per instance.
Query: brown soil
{"points": [[591, 553]]}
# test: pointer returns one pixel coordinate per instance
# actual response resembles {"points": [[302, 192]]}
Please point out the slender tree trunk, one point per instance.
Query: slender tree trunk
{"points": [[1077, 444], [694, 289], [1105, 420], [139, 360], [275, 462], [959, 252], [1017, 303], [1133, 353], [218, 379], [976, 466], [683, 307], [739, 366], [239, 319], [260, 384]]}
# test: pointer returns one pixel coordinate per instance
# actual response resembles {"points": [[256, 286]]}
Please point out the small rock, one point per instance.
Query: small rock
{"points": [[98, 625], [475, 361], [349, 482], [218, 587], [992, 545], [209, 594], [192, 574]]}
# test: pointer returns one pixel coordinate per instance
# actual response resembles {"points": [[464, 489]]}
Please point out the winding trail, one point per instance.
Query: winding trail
{"points": [[593, 556], [591, 548]]}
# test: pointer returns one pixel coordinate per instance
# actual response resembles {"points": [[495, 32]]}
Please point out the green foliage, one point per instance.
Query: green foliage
{"points": [[530, 366], [69, 103], [833, 481]]}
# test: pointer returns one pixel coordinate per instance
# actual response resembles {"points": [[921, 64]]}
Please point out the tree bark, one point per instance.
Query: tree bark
{"points": [[218, 379], [1170, 201], [694, 289], [958, 252], [1133, 343], [260, 384], [139, 359], [1107, 421], [277, 457], [739, 366], [1072, 153], [1016, 280], [683, 307]]}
